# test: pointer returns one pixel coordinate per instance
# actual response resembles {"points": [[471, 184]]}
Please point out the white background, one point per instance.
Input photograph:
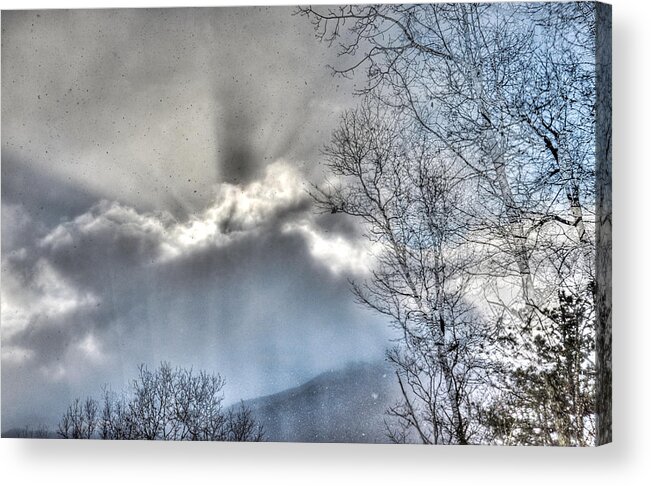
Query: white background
{"points": [[626, 461]]}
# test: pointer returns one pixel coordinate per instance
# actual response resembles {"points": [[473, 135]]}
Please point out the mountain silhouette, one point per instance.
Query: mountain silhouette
{"points": [[347, 405]]}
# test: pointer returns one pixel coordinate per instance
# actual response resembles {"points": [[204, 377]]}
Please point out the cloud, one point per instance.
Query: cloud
{"points": [[45, 293], [126, 234], [32, 200], [237, 210], [336, 252], [24, 228], [253, 286]]}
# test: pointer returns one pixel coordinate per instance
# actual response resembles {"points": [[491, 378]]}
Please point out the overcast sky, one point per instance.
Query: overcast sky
{"points": [[154, 174]]}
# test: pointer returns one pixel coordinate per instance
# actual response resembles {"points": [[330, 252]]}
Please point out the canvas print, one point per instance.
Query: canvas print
{"points": [[354, 223]]}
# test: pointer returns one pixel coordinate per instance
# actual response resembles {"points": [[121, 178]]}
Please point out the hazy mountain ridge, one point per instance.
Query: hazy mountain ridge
{"points": [[346, 405]]}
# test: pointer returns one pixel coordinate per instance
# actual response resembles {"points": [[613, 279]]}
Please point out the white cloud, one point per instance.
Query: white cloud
{"points": [[337, 253], [234, 212], [91, 348], [110, 218], [237, 210], [47, 294], [46, 298]]}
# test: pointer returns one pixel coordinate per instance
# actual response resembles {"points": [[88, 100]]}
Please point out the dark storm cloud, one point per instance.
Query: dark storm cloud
{"points": [[39, 190]]}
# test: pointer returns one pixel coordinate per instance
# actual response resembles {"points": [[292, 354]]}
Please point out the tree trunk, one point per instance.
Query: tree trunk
{"points": [[493, 150], [453, 396]]}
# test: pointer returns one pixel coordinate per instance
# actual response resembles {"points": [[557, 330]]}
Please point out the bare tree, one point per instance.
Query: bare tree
{"points": [[503, 96], [240, 426], [410, 200], [80, 420], [164, 404]]}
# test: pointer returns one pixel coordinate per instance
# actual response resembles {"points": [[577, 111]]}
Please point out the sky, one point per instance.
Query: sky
{"points": [[155, 175]]}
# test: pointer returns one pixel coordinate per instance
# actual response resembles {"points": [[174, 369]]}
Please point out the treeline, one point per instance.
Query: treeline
{"points": [[164, 404]]}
